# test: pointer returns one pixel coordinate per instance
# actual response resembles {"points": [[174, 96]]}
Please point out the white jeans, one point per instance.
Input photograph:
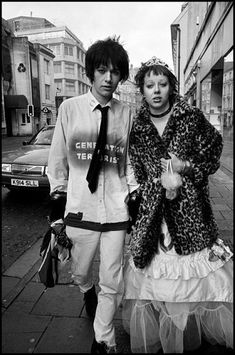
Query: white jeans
{"points": [[85, 243]]}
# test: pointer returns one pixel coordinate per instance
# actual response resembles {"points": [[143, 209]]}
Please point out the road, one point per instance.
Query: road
{"points": [[23, 223]]}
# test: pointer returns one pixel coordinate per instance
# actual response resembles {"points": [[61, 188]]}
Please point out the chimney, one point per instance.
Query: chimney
{"points": [[31, 14]]}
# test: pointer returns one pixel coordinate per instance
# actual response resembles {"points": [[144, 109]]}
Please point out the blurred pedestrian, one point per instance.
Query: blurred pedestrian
{"points": [[88, 161], [178, 278]]}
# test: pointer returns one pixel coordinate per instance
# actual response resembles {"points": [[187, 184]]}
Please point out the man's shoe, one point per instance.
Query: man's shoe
{"points": [[90, 299], [102, 348]]}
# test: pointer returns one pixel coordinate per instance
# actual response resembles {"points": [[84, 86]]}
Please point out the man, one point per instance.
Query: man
{"points": [[88, 161]]}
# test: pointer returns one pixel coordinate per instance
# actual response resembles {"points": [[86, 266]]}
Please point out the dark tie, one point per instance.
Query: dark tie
{"points": [[98, 154]]}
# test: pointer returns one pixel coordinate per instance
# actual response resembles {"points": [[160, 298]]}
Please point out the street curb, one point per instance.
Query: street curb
{"points": [[11, 296], [26, 261], [24, 268]]}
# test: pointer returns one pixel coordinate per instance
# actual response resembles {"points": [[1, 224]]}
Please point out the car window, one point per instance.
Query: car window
{"points": [[44, 137]]}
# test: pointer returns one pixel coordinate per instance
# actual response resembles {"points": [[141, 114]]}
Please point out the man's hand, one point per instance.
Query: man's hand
{"points": [[57, 226], [57, 202]]}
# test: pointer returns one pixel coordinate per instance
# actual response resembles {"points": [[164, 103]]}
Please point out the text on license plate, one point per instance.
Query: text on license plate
{"points": [[27, 183]]}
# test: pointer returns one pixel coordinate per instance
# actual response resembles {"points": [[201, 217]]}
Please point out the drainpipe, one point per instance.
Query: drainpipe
{"points": [[178, 57]]}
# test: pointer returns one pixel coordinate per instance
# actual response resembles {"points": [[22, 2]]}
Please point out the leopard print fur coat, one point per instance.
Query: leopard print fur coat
{"points": [[189, 217]]}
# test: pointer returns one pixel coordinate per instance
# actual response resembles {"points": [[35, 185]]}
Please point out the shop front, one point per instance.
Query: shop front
{"points": [[18, 123]]}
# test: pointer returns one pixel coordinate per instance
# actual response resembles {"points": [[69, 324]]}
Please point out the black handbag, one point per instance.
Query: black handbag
{"points": [[54, 240], [48, 270]]}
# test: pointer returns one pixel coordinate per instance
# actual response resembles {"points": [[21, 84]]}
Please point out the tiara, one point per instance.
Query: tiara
{"points": [[156, 61]]}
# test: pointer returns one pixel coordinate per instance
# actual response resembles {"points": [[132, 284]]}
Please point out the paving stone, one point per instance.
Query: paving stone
{"points": [[54, 320], [224, 192], [23, 323], [218, 201], [122, 338], [220, 178], [8, 283], [31, 292], [25, 261], [214, 193], [229, 187], [21, 307], [60, 300], [67, 335], [19, 343], [220, 207], [230, 204], [227, 233], [225, 225], [218, 215], [227, 215]]}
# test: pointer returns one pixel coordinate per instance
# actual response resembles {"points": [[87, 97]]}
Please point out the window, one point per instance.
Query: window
{"points": [[69, 68], [58, 84], [34, 67], [46, 66], [17, 25], [25, 118], [47, 92], [70, 85], [57, 67], [68, 50]]}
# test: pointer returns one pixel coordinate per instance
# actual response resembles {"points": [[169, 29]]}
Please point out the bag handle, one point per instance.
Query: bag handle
{"points": [[169, 166]]}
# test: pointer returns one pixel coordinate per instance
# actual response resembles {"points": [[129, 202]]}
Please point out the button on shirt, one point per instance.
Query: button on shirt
{"points": [[73, 143]]}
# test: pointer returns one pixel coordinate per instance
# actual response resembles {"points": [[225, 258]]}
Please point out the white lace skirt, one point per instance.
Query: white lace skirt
{"points": [[177, 299]]}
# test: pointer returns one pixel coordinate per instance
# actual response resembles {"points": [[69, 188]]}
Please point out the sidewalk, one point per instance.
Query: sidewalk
{"points": [[39, 320]]}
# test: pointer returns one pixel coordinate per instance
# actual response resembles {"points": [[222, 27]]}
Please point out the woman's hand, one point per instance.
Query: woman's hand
{"points": [[177, 164]]}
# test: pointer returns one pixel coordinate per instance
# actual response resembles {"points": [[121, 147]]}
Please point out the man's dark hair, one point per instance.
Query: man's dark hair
{"points": [[103, 52]]}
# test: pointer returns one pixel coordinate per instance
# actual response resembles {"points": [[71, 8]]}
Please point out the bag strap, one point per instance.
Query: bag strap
{"points": [[169, 166]]}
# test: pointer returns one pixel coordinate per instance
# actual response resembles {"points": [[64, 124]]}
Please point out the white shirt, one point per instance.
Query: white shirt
{"points": [[73, 143]]}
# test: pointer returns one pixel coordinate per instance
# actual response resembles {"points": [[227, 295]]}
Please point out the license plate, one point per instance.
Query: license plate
{"points": [[26, 183]]}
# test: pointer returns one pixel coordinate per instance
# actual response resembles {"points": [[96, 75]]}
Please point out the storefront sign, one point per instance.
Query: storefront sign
{"points": [[46, 110]]}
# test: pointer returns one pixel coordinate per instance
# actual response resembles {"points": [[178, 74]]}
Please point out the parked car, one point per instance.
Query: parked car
{"points": [[26, 167]]}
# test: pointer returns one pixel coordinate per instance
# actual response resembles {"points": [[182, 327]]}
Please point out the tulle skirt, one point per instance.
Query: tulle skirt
{"points": [[177, 300]]}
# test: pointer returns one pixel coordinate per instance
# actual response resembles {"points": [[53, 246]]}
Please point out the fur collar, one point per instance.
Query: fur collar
{"points": [[181, 115], [180, 108]]}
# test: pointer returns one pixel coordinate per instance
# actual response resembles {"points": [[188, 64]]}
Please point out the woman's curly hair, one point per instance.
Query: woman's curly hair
{"points": [[157, 69]]}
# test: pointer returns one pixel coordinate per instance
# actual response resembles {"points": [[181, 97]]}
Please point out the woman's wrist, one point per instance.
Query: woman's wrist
{"points": [[186, 167]]}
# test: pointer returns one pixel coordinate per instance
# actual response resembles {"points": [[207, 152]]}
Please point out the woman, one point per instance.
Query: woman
{"points": [[179, 274]]}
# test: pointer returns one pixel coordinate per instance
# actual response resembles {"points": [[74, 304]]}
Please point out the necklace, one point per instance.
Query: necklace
{"points": [[161, 114]]}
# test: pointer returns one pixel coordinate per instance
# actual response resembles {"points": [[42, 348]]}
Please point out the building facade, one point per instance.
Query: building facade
{"points": [[55, 69], [202, 49], [23, 78], [44, 66], [128, 92], [69, 61]]}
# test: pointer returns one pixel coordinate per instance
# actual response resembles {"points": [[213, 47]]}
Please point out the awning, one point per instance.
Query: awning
{"points": [[15, 101]]}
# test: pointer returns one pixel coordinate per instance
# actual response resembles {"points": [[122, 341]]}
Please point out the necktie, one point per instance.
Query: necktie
{"points": [[98, 154]]}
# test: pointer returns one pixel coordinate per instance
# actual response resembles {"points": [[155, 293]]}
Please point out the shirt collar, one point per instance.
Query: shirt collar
{"points": [[93, 102]]}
